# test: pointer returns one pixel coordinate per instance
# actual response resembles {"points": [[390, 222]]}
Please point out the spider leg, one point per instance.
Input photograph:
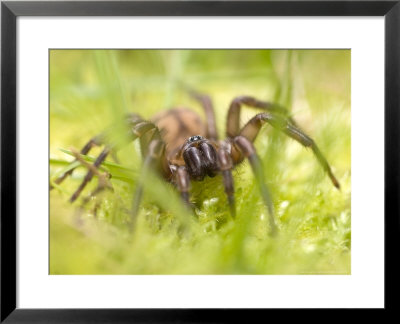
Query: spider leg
{"points": [[90, 173], [233, 118], [253, 126], [95, 141], [226, 165], [248, 150], [183, 183], [138, 128], [104, 182], [208, 107], [155, 152]]}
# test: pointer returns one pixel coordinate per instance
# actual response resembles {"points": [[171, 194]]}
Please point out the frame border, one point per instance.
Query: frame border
{"points": [[10, 10]]}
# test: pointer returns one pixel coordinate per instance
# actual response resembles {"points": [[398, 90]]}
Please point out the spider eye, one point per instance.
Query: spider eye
{"points": [[195, 138]]}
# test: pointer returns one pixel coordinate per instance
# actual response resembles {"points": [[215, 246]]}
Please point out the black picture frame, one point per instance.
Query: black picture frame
{"points": [[10, 10]]}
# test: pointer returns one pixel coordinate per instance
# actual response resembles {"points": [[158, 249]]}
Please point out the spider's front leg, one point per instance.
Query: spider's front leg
{"points": [[252, 128], [278, 118], [210, 160], [233, 118], [242, 139]]}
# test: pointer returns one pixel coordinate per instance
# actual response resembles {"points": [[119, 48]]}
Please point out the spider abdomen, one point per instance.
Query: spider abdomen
{"points": [[177, 125]]}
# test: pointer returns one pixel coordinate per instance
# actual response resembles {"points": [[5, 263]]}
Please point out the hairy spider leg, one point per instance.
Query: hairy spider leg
{"points": [[90, 173], [138, 127], [104, 182], [248, 150], [233, 118], [95, 141], [208, 107], [253, 126], [226, 165]]}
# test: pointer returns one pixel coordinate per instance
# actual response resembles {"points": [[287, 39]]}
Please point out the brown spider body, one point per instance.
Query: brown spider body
{"points": [[176, 126], [184, 148]]}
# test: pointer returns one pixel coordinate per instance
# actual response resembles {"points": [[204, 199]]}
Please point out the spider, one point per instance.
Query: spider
{"points": [[183, 148]]}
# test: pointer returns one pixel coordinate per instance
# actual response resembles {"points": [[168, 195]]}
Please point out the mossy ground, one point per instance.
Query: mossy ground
{"points": [[90, 90]]}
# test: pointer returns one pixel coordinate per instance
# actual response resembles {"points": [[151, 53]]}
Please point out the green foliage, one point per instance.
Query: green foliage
{"points": [[90, 91]]}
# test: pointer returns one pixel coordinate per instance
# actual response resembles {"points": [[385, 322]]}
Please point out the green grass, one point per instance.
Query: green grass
{"points": [[91, 90]]}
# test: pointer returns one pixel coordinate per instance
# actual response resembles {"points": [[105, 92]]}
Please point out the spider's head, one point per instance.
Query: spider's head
{"points": [[195, 138], [200, 157]]}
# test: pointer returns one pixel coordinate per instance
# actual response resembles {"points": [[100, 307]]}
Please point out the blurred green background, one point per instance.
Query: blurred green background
{"points": [[93, 89]]}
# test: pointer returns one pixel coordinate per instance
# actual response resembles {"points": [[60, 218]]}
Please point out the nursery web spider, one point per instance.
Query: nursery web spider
{"points": [[182, 148]]}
